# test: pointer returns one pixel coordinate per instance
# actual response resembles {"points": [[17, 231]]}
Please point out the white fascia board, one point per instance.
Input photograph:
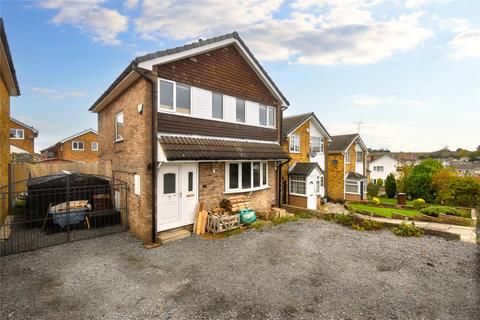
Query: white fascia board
{"points": [[148, 64], [126, 81]]}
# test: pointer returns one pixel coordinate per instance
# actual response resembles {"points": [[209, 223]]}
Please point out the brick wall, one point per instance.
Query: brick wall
{"points": [[352, 197], [350, 167], [335, 176], [297, 201], [27, 143], [212, 187], [4, 145], [87, 155], [132, 155]]}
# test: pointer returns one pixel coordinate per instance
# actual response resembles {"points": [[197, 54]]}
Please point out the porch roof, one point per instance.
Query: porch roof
{"points": [[194, 148], [355, 176], [304, 168]]}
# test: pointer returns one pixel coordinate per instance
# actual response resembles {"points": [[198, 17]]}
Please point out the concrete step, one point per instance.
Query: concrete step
{"points": [[172, 235]]}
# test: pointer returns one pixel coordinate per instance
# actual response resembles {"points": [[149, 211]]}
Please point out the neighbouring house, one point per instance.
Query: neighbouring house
{"points": [[346, 168], [306, 141], [471, 169], [23, 137], [196, 123], [8, 88], [81, 147], [382, 166]]}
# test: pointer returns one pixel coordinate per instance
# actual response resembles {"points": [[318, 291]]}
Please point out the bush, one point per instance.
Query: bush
{"points": [[345, 219], [357, 227], [380, 182], [373, 189], [435, 211], [390, 186], [419, 181], [459, 191], [419, 203], [408, 230], [376, 201], [369, 224]]}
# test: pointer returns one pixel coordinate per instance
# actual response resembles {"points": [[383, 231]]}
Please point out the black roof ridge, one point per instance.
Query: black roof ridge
{"points": [[4, 40]]}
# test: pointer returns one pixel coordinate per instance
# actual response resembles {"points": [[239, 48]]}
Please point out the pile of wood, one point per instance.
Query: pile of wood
{"points": [[277, 213], [201, 219], [239, 202]]}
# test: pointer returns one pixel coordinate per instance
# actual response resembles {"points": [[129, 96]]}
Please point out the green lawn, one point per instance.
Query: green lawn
{"points": [[386, 212], [391, 201]]}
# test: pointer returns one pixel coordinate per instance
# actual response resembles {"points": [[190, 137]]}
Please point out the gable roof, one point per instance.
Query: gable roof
{"points": [[70, 138], [6, 58], [291, 123], [386, 155], [35, 131], [304, 168], [355, 176], [341, 143], [147, 62]]}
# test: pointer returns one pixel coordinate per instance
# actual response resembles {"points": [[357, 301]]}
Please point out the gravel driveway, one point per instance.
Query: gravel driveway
{"points": [[311, 269]]}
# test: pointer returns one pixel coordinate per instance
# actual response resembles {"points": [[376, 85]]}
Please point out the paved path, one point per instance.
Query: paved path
{"points": [[462, 233]]}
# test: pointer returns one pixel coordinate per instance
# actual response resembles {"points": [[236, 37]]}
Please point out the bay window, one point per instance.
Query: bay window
{"points": [[246, 176], [298, 185], [295, 143], [352, 186]]}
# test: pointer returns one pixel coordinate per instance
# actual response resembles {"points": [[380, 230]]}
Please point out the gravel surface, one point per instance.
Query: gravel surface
{"points": [[310, 269]]}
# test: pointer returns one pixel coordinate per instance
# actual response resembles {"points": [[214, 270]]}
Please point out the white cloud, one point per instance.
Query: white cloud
{"points": [[363, 100], [101, 23], [417, 3], [55, 94], [454, 24], [466, 45], [131, 4], [43, 90]]}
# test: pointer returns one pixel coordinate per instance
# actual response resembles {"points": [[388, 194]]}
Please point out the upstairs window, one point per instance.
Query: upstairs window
{"points": [[271, 116], [263, 115], [266, 116], [78, 145], [240, 110], [166, 95], [295, 143], [119, 126], [359, 156], [347, 157], [217, 105], [316, 144], [182, 103], [378, 168], [16, 133], [94, 146]]}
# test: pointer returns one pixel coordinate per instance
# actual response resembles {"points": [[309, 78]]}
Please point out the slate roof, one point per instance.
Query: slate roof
{"points": [[162, 53], [355, 176], [6, 48], [206, 148], [304, 168], [340, 143], [289, 124]]}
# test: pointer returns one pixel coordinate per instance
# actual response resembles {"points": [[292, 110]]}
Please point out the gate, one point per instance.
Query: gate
{"points": [[73, 207]]}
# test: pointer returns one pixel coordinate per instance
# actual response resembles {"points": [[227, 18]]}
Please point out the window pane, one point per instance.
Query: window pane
{"points": [[166, 95], [190, 181], [263, 115], [119, 126], [246, 175], [217, 105], [315, 144], [256, 174], [80, 145], [169, 182], [183, 98], [264, 173], [359, 156], [240, 110], [233, 178], [271, 116]]}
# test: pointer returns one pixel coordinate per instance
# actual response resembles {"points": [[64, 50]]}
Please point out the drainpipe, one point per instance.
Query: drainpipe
{"points": [[280, 182]]}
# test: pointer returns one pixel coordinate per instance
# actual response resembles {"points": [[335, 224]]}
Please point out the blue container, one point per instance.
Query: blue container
{"points": [[247, 216], [75, 216]]}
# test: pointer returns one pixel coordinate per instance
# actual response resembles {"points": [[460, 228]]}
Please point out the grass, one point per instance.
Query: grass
{"points": [[386, 200], [385, 212], [284, 219], [304, 215]]}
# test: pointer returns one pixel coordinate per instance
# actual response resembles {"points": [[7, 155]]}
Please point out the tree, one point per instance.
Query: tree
{"points": [[372, 189], [380, 182], [390, 186], [419, 181], [403, 177]]}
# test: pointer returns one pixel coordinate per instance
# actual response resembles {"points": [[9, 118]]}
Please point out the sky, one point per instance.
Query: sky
{"points": [[404, 73]]}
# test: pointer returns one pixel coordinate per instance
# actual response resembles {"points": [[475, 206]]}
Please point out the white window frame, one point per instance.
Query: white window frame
{"points": [[240, 189], [174, 110], [117, 139], [377, 168], [274, 117], [78, 144], [292, 180], [223, 106], [320, 147], [317, 185], [293, 143], [356, 156], [347, 157], [17, 131], [351, 183], [244, 111], [94, 143]]}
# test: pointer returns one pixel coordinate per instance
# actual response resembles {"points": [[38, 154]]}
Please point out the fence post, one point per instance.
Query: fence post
{"points": [[10, 186], [68, 206]]}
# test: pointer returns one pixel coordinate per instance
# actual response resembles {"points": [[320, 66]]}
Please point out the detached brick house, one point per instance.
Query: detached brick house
{"points": [[8, 88], [304, 179], [81, 147], [23, 136], [347, 168], [196, 123]]}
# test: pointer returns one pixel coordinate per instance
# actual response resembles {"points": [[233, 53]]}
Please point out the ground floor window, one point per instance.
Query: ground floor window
{"points": [[352, 186], [298, 185], [246, 176]]}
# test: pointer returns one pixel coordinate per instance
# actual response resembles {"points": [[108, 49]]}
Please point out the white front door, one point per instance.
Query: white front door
{"points": [[311, 194], [177, 195]]}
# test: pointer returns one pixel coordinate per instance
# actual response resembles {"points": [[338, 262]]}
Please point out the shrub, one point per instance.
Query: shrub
{"points": [[419, 182], [284, 219], [357, 227], [408, 230], [419, 203], [369, 224], [304, 215], [380, 182], [376, 201], [373, 189], [345, 219], [390, 186], [459, 191], [435, 211]]}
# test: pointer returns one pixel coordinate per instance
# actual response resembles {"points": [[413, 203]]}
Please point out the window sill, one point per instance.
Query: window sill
{"points": [[118, 141], [247, 190], [298, 195], [78, 149], [17, 138], [295, 152]]}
